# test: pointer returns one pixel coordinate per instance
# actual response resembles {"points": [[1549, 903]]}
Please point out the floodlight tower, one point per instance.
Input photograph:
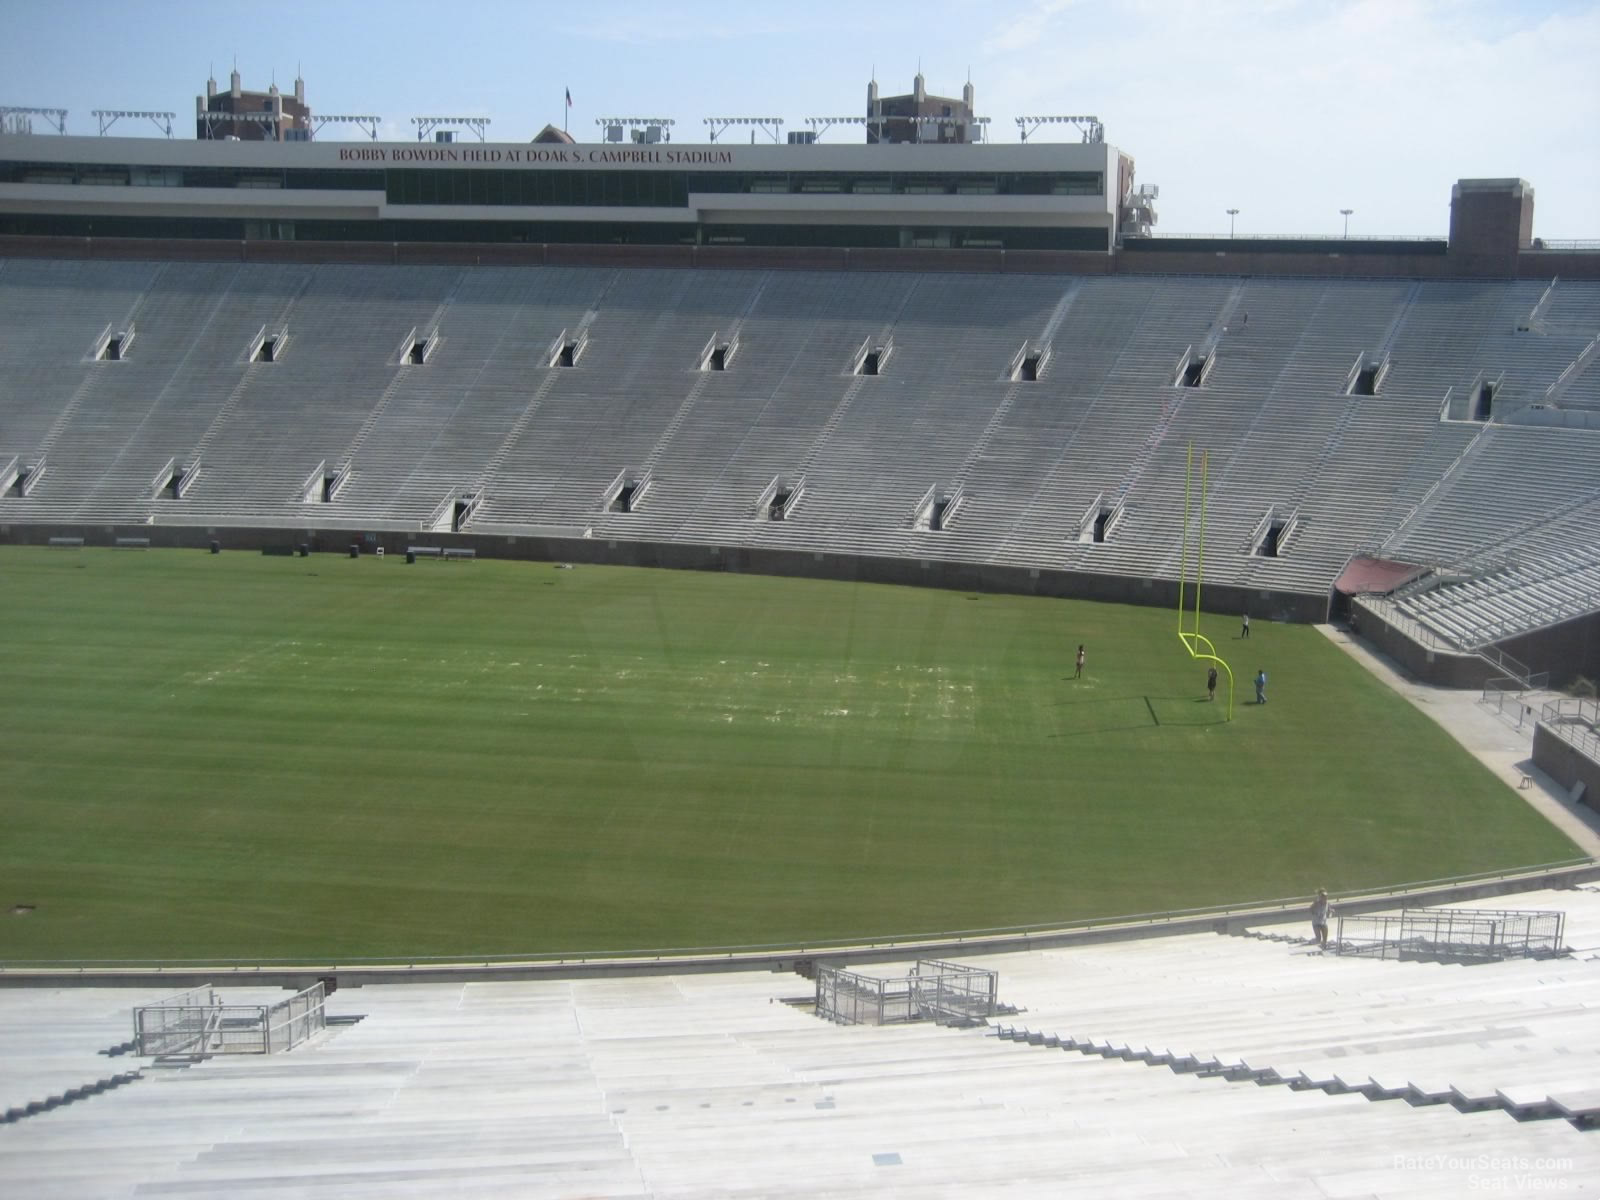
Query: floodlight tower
{"points": [[426, 125], [1093, 131], [771, 126], [56, 116], [1345, 213], [640, 129], [221, 117], [1232, 213], [822, 124], [108, 118], [369, 125]]}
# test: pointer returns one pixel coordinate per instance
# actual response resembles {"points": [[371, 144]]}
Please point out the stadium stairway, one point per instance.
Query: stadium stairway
{"points": [[1515, 1037], [68, 1095]]}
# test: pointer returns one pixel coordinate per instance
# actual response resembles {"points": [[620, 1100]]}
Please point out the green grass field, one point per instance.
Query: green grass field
{"points": [[250, 757]]}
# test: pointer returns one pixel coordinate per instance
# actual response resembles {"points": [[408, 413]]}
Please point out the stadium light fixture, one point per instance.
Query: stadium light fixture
{"points": [[1232, 213], [821, 124], [213, 118], [1345, 213], [369, 125], [1093, 131], [771, 126], [426, 125], [56, 116], [633, 124], [108, 118]]}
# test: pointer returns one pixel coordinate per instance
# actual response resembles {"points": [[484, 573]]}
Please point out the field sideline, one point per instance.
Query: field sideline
{"points": [[246, 757]]}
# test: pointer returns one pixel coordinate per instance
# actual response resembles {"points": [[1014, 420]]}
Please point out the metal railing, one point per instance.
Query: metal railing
{"points": [[1576, 722], [1451, 933], [198, 1022], [1508, 693], [1392, 615], [944, 992]]}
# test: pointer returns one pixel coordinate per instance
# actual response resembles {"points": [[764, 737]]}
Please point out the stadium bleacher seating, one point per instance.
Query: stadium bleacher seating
{"points": [[1107, 422]]}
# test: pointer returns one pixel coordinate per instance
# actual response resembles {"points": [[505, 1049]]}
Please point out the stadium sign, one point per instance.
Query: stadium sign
{"points": [[519, 156]]}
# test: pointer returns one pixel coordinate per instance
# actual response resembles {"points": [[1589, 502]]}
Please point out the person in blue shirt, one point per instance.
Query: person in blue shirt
{"points": [[1261, 687]]}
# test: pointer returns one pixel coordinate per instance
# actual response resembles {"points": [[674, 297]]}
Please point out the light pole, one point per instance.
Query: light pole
{"points": [[1232, 213], [1345, 212]]}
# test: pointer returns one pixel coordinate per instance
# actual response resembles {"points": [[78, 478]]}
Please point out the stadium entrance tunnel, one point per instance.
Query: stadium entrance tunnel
{"points": [[1272, 533], [112, 345], [1029, 363], [566, 350], [19, 478], [415, 349], [872, 357], [937, 509], [627, 491], [778, 499], [1193, 369], [717, 354], [1483, 397], [1098, 520], [1366, 376], [267, 347]]}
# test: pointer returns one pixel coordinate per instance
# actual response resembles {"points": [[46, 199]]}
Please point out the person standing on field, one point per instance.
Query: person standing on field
{"points": [[1244, 630], [1078, 674], [1211, 684], [1261, 686]]}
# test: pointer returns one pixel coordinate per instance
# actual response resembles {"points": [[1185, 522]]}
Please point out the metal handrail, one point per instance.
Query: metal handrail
{"points": [[1588, 711]]}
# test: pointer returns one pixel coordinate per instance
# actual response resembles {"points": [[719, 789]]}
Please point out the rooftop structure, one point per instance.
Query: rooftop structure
{"points": [[919, 117], [243, 116]]}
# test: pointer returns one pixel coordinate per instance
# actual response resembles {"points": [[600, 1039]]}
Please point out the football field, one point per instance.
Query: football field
{"points": [[246, 757]]}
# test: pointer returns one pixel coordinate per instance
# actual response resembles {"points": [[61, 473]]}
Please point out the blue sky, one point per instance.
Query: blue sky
{"points": [[1288, 110]]}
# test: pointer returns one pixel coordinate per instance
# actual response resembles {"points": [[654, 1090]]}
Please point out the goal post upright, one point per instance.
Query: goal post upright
{"points": [[1196, 643]]}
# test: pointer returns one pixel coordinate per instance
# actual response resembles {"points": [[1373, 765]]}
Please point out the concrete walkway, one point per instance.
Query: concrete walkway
{"points": [[1498, 744]]}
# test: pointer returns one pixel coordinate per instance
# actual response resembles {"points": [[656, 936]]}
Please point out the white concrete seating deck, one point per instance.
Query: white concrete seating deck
{"points": [[541, 443], [1470, 1035], [47, 1049], [710, 1085]]}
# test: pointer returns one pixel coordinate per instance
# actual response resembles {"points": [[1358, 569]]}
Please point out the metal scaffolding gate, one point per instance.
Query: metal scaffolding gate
{"points": [[198, 1022], [945, 992], [1461, 934]]}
